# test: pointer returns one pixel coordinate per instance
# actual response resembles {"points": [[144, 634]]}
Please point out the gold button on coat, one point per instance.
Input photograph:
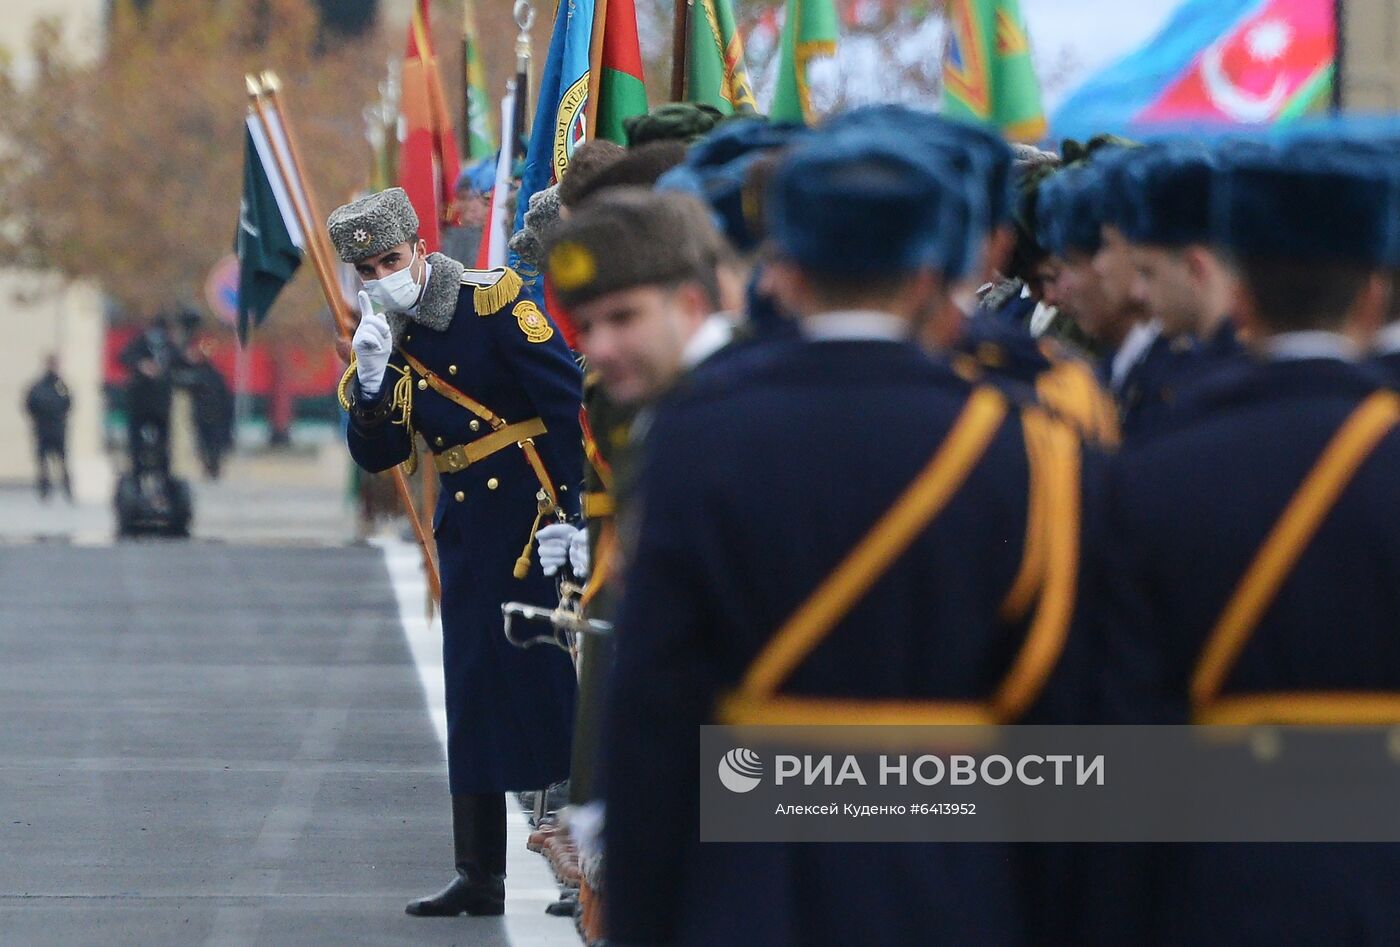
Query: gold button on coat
{"points": [[459, 496], [492, 484], [475, 425], [437, 441], [452, 369], [422, 384]]}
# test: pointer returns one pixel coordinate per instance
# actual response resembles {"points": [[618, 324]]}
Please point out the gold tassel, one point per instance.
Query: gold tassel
{"points": [[403, 403], [489, 300]]}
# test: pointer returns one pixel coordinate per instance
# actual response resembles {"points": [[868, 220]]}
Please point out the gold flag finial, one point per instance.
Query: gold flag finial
{"points": [[254, 87], [270, 82]]}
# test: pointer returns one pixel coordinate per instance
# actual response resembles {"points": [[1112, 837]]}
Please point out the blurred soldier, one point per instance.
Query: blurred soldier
{"points": [[1182, 283], [636, 271], [1282, 578], [472, 206], [458, 358], [999, 350], [48, 403], [760, 476], [151, 358], [212, 405], [728, 170]]}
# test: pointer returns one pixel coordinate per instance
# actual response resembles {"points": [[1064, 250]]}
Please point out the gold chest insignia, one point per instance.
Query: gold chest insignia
{"points": [[532, 322]]}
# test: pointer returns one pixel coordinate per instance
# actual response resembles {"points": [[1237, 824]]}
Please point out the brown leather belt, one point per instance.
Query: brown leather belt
{"points": [[459, 458], [597, 505]]}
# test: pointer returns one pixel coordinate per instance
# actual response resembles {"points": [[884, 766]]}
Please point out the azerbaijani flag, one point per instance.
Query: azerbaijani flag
{"points": [[428, 162], [810, 30], [988, 75], [622, 91], [1216, 62], [716, 74]]}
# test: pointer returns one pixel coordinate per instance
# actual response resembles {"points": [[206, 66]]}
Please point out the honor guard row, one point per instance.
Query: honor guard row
{"points": [[888, 422]]}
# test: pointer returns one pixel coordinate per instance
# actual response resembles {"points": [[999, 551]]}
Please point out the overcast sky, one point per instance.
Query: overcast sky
{"points": [[1093, 33]]}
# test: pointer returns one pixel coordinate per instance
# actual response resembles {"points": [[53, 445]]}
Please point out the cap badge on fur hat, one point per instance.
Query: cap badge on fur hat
{"points": [[571, 267]]}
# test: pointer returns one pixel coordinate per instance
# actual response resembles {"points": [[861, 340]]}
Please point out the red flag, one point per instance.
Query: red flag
{"points": [[428, 161]]}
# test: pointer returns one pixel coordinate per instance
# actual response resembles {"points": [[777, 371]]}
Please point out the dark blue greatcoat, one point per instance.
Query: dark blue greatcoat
{"points": [[509, 711], [759, 477], [1186, 513]]}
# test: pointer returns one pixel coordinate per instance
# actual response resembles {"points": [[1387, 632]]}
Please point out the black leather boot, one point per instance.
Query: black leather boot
{"points": [[479, 844]]}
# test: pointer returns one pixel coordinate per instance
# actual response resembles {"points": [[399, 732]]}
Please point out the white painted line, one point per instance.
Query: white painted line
{"points": [[530, 885]]}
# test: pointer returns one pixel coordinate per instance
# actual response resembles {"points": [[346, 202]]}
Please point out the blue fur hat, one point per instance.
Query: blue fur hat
{"points": [[863, 203], [716, 170], [1168, 191], [1069, 211], [1307, 204]]}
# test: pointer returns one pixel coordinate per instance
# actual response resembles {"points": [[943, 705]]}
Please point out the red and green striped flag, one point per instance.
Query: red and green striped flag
{"points": [[622, 91], [810, 30], [988, 75], [428, 162], [717, 75]]}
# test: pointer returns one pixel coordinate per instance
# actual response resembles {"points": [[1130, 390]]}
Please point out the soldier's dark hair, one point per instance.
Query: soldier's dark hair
{"points": [[638, 167], [1296, 296], [845, 292]]}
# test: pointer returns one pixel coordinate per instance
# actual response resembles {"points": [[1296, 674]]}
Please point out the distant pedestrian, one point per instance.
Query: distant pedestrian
{"points": [[212, 403], [48, 402]]}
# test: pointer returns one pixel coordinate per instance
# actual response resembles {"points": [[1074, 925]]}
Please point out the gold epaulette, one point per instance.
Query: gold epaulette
{"points": [[493, 290]]}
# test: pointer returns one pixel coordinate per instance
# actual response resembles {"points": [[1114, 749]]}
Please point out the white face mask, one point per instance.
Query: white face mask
{"points": [[398, 291]]}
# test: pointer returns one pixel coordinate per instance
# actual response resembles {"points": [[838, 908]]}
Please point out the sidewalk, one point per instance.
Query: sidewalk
{"points": [[294, 496]]}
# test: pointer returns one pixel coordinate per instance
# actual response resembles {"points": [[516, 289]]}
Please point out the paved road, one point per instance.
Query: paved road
{"points": [[212, 743]]}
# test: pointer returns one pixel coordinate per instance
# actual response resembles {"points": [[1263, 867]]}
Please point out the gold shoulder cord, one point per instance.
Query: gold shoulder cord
{"points": [[1052, 563], [402, 402], [1290, 537]]}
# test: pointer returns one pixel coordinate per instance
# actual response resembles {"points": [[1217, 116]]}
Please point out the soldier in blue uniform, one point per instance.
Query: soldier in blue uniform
{"points": [[458, 358], [749, 501], [1001, 351], [1273, 600]]}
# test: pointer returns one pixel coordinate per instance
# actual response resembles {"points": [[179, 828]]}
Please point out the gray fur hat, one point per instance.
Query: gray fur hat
{"points": [[372, 224], [540, 218]]}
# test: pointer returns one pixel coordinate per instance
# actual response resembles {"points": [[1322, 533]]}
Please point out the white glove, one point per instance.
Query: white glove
{"points": [[372, 344], [578, 553], [556, 543]]}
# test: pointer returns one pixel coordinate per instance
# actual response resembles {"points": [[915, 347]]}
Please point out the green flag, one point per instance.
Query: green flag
{"points": [[269, 240], [717, 75], [988, 75], [809, 31], [478, 132]]}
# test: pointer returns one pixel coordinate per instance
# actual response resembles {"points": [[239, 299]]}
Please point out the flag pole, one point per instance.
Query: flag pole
{"points": [[271, 85], [520, 110], [680, 37], [467, 37], [595, 68], [337, 304], [255, 93]]}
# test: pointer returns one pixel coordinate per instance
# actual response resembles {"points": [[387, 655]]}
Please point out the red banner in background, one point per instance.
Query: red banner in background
{"points": [[309, 372]]}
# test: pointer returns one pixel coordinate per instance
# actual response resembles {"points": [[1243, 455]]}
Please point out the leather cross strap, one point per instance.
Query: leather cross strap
{"points": [[1318, 494], [462, 399], [756, 702], [457, 397]]}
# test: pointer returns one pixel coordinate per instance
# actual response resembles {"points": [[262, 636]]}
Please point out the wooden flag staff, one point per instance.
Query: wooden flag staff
{"points": [[263, 96]]}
